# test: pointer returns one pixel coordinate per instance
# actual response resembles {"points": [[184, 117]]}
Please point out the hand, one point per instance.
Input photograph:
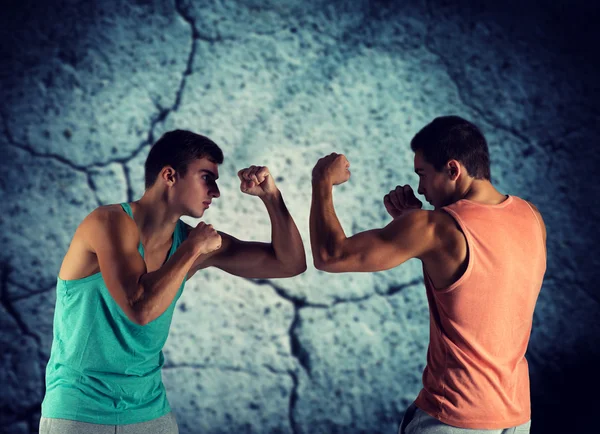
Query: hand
{"points": [[400, 200], [205, 238], [257, 181], [332, 169]]}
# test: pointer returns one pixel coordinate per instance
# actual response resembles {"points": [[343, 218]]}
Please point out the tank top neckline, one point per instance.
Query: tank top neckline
{"points": [[127, 208], [504, 203]]}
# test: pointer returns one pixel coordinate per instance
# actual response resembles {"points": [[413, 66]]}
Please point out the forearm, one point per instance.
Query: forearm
{"points": [[158, 288], [326, 232], [285, 237]]}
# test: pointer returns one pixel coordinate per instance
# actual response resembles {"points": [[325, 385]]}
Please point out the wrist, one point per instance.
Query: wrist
{"points": [[271, 197], [195, 249], [321, 182], [322, 186]]}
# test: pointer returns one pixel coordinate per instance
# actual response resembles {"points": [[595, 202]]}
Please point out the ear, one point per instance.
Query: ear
{"points": [[168, 175], [454, 169]]}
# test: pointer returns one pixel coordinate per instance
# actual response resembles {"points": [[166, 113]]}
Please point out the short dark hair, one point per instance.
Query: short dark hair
{"points": [[177, 149], [454, 138]]}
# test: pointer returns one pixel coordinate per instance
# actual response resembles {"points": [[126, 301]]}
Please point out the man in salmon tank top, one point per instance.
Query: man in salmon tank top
{"points": [[122, 275], [484, 258]]}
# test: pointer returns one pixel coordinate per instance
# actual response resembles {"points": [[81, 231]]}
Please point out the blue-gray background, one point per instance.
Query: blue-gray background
{"points": [[86, 86]]}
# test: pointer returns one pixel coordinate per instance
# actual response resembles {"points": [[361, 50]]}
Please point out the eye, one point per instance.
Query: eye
{"points": [[205, 177]]}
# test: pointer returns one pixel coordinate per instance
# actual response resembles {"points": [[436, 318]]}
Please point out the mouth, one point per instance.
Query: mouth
{"points": [[206, 204]]}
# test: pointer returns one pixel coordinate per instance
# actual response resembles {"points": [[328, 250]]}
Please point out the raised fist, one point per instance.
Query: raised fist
{"points": [[205, 238], [257, 181], [333, 168], [400, 200]]}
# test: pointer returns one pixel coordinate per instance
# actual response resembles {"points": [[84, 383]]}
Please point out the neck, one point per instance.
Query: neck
{"points": [[154, 219], [480, 190]]}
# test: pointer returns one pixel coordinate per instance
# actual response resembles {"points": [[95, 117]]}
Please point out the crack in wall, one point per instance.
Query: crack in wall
{"points": [[291, 373], [188, 69], [297, 350], [26, 292], [127, 175], [92, 186], [223, 368], [63, 160], [394, 289]]}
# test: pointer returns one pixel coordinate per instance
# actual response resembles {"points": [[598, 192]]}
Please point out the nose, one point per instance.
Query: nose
{"points": [[421, 190], [214, 192]]}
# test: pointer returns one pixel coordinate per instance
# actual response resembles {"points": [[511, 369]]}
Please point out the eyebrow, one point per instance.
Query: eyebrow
{"points": [[209, 172]]}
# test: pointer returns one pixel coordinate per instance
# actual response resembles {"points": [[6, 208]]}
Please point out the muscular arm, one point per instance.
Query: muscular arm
{"points": [[142, 296], [409, 236], [283, 257]]}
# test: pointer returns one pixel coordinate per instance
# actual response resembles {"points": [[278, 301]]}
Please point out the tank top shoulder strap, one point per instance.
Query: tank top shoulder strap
{"points": [[180, 233], [127, 208]]}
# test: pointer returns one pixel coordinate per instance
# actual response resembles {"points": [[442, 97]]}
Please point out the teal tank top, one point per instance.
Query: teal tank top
{"points": [[104, 368]]}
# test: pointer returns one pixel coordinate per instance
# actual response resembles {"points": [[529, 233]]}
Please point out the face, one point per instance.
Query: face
{"points": [[437, 187], [195, 191]]}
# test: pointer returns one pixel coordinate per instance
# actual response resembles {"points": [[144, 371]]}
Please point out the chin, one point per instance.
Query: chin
{"points": [[195, 214]]}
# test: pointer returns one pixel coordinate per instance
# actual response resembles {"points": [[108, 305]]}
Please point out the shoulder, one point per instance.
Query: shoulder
{"points": [[108, 215], [445, 223], [420, 231], [420, 219], [421, 224], [538, 214], [534, 208], [108, 220]]}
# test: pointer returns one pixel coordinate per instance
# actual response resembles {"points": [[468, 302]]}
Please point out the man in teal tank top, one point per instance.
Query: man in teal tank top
{"points": [[122, 275]]}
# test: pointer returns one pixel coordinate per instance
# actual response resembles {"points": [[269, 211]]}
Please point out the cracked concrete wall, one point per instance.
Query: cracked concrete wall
{"points": [[86, 87]]}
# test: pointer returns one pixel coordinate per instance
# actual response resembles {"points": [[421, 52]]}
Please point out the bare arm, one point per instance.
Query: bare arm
{"points": [[142, 296], [283, 257], [410, 235]]}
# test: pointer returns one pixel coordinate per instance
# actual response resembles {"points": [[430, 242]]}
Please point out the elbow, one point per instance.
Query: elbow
{"points": [[325, 262], [297, 269], [323, 265], [142, 321], [319, 263], [139, 316], [138, 313], [334, 260], [328, 257], [301, 269]]}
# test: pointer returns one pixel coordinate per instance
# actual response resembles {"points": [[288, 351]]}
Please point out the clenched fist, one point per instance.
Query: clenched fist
{"points": [[257, 181], [205, 238], [400, 200], [332, 169]]}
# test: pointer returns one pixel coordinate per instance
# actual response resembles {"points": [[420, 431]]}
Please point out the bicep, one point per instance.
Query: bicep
{"points": [[366, 252], [250, 259], [381, 249]]}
